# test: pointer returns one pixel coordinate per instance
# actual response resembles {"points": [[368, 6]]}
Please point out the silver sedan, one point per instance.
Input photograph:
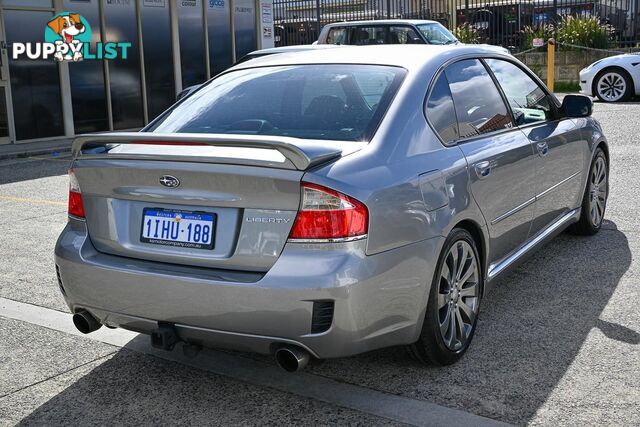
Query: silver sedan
{"points": [[323, 204]]}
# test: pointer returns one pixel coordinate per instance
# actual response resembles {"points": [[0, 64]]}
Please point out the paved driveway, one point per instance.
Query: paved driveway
{"points": [[558, 340]]}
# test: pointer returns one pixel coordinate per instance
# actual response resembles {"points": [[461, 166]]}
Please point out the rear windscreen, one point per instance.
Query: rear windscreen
{"points": [[336, 102]]}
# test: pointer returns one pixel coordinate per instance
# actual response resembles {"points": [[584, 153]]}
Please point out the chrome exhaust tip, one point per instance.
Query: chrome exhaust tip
{"points": [[85, 322], [292, 359]]}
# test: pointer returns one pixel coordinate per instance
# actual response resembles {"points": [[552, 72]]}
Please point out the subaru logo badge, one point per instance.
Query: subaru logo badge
{"points": [[169, 181]]}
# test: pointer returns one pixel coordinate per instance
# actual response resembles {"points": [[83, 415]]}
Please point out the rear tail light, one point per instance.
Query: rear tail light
{"points": [[326, 214], [76, 208]]}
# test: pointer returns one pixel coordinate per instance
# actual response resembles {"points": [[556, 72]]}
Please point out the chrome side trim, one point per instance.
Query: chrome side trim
{"points": [[513, 211], [498, 267], [550, 189], [340, 240], [533, 199]]}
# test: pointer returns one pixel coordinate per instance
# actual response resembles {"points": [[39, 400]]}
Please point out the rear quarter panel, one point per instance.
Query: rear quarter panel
{"points": [[414, 187]]}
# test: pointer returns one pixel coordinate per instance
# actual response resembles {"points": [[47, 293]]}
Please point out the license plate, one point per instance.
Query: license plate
{"points": [[178, 228]]}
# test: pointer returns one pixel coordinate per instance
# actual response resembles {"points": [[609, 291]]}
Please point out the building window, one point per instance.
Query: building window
{"points": [[88, 95], [26, 3], [191, 26], [35, 84], [244, 21], [124, 74], [219, 22], [158, 58]]}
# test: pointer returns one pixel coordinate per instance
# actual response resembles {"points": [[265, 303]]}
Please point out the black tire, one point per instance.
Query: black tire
{"points": [[586, 226], [629, 89], [431, 348]]}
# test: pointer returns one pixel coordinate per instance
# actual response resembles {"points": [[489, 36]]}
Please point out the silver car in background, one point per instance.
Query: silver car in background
{"points": [[324, 204]]}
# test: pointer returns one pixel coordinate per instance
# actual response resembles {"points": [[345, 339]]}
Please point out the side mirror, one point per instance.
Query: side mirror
{"points": [[576, 106]]}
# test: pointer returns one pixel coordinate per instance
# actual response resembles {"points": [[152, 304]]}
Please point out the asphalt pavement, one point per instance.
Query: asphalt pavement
{"points": [[558, 340]]}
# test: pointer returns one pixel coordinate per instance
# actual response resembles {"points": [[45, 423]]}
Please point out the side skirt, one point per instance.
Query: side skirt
{"points": [[511, 261]]}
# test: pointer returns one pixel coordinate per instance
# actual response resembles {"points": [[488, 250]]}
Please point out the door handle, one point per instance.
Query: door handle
{"points": [[483, 169], [543, 148]]}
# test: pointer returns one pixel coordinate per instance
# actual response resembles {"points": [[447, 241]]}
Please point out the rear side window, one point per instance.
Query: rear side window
{"points": [[337, 36], [478, 104], [404, 35], [363, 36], [528, 101], [441, 112]]}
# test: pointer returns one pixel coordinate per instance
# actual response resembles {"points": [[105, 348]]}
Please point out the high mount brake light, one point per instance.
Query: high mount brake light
{"points": [[327, 215]]}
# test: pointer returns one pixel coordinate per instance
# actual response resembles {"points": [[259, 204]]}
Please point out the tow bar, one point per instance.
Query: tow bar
{"points": [[165, 337]]}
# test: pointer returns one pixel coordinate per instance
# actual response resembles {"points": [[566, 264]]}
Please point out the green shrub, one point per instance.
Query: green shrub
{"points": [[467, 34], [566, 87], [540, 31], [584, 31]]}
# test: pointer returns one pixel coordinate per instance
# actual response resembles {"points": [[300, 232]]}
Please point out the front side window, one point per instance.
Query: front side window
{"points": [[528, 101], [441, 112], [435, 33], [478, 103], [331, 102]]}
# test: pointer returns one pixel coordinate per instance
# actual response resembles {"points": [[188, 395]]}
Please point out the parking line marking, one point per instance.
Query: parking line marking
{"points": [[33, 201], [384, 405]]}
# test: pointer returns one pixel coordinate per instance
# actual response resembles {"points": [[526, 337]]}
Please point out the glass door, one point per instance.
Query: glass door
{"points": [[36, 102], [5, 131]]}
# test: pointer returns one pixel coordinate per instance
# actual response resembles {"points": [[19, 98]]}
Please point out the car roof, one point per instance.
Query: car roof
{"points": [[411, 57], [295, 48], [382, 22]]}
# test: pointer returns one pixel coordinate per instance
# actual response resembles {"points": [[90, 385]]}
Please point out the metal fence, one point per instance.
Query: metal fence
{"points": [[499, 22]]}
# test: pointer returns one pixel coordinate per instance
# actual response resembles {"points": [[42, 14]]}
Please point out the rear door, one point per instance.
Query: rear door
{"points": [[500, 157], [558, 143]]}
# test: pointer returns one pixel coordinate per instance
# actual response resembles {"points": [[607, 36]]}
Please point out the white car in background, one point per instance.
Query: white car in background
{"points": [[612, 79]]}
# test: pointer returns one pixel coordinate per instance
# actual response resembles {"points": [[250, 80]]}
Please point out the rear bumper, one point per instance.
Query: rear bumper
{"points": [[379, 300]]}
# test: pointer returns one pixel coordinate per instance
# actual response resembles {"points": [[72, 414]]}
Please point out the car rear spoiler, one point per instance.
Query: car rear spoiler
{"points": [[299, 154]]}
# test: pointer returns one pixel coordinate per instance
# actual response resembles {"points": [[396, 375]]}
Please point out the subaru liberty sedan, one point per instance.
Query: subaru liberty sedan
{"points": [[322, 204]]}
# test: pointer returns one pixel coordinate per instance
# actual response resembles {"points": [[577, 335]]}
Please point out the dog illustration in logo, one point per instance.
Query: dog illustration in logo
{"points": [[67, 27]]}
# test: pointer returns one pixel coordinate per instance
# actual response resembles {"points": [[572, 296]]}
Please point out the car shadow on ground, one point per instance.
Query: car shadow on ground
{"points": [[531, 327]]}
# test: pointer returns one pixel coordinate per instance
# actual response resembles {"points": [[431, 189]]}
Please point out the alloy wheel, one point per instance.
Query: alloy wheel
{"points": [[612, 87], [598, 187], [458, 295]]}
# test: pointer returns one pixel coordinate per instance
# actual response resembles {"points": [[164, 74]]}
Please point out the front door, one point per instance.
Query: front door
{"points": [[500, 157], [559, 164], [560, 155]]}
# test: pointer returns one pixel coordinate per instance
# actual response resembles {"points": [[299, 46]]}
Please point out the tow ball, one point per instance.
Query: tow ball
{"points": [[166, 338]]}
